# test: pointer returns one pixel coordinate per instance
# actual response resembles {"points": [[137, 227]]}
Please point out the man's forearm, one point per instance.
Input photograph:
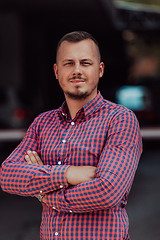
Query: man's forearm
{"points": [[74, 174], [78, 174]]}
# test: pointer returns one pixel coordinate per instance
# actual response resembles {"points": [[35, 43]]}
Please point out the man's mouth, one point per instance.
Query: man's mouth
{"points": [[77, 80]]}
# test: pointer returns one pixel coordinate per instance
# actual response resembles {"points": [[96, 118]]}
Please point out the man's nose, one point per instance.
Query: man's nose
{"points": [[77, 69]]}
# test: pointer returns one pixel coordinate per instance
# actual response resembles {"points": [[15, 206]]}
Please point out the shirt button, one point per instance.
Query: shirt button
{"points": [[56, 234], [70, 211], [64, 141], [59, 162], [72, 123], [61, 186], [54, 208], [41, 191]]}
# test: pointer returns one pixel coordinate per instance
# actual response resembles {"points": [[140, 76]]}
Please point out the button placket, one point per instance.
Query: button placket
{"points": [[64, 142]]}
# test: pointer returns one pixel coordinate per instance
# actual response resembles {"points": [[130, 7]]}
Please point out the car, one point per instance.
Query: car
{"points": [[13, 112], [140, 99]]}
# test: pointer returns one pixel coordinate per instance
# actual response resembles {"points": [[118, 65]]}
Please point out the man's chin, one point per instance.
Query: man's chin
{"points": [[77, 96]]}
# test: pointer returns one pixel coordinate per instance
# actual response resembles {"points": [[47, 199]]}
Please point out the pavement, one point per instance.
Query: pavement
{"points": [[20, 216]]}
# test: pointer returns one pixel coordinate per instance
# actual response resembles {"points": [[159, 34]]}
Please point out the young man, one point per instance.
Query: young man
{"points": [[78, 160]]}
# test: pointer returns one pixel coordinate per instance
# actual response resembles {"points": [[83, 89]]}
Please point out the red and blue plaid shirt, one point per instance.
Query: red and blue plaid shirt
{"points": [[102, 134]]}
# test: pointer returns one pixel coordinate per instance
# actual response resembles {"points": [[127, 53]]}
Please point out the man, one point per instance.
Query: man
{"points": [[78, 160]]}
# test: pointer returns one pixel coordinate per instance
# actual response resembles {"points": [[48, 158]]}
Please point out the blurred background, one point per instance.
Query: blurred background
{"points": [[128, 33]]}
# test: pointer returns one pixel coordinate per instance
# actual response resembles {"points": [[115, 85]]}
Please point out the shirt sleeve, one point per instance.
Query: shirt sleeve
{"points": [[115, 171], [19, 177]]}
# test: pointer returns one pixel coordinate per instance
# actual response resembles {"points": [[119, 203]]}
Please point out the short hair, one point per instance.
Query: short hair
{"points": [[77, 36]]}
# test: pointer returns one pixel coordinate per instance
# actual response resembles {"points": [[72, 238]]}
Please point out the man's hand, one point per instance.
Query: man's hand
{"points": [[78, 174], [33, 158]]}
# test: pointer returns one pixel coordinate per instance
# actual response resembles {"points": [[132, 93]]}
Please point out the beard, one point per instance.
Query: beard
{"points": [[78, 95]]}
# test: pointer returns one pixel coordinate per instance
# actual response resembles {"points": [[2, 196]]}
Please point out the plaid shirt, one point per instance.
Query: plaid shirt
{"points": [[102, 134]]}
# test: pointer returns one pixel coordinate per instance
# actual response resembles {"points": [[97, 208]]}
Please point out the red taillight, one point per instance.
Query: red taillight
{"points": [[19, 114]]}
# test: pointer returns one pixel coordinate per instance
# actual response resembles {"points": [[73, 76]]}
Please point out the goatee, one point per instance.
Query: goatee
{"points": [[80, 96]]}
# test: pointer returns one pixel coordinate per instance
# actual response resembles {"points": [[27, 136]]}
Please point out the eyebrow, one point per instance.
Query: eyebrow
{"points": [[83, 60], [67, 60], [87, 59]]}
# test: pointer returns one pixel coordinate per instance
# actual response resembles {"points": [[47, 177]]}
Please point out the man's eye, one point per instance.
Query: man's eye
{"points": [[86, 63], [68, 63]]}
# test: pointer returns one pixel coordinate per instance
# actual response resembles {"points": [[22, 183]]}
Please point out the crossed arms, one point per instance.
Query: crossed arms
{"points": [[74, 174], [77, 188]]}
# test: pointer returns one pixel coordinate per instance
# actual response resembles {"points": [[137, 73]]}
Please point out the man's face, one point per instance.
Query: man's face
{"points": [[78, 69]]}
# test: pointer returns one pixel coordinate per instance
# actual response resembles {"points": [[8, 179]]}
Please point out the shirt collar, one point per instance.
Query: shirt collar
{"points": [[64, 109], [88, 109]]}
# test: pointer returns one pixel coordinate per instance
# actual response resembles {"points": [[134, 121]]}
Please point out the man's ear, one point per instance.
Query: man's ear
{"points": [[55, 68], [101, 69]]}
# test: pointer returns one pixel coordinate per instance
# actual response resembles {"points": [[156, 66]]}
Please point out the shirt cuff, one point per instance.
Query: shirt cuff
{"points": [[58, 176]]}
